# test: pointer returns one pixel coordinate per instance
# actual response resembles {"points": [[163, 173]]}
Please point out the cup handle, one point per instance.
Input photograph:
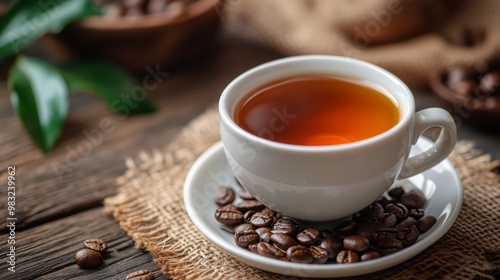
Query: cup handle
{"points": [[442, 147]]}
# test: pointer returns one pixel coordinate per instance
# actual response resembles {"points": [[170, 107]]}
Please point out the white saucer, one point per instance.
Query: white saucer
{"points": [[441, 185]]}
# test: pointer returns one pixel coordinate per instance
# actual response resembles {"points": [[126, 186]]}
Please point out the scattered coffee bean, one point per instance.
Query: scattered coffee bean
{"points": [[244, 194], [369, 255], [96, 244], [225, 195], [143, 274], [345, 228], [332, 245], [88, 258], [247, 205], [246, 237], [413, 199], [228, 217], [396, 192], [319, 254], [347, 256], [408, 235], [283, 241], [260, 219], [357, 243], [425, 223], [308, 236], [299, 254], [286, 226], [243, 227], [269, 250]]}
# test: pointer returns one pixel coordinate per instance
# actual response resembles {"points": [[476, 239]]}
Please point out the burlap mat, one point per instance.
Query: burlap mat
{"points": [[409, 38], [149, 207]]}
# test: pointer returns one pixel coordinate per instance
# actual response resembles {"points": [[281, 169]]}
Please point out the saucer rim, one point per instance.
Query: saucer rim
{"points": [[317, 270]]}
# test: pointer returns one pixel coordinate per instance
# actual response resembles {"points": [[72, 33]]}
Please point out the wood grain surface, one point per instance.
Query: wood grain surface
{"points": [[59, 195]]}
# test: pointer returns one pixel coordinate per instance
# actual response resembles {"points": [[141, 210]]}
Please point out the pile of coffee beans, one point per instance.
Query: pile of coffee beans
{"points": [[388, 225], [92, 257], [481, 82], [137, 8]]}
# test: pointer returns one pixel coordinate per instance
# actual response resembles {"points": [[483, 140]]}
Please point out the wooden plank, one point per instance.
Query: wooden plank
{"points": [[47, 251]]}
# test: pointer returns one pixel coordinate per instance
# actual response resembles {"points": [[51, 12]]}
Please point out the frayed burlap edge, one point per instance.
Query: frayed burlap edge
{"points": [[149, 207]]}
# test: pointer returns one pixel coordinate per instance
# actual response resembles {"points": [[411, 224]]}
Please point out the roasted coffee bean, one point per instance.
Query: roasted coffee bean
{"points": [[332, 245], [425, 223], [408, 235], [490, 83], [283, 241], [96, 244], [244, 194], [269, 250], [319, 254], [369, 255], [385, 241], [356, 243], [156, 6], [141, 275], [269, 212], [88, 258], [416, 214], [347, 256], [413, 199], [388, 220], [344, 228], [260, 219], [406, 223], [398, 209], [368, 229], [248, 215], [243, 227], [299, 254], [253, 248], [225, 195], [229, 207], [286, 226], [308, 236], [264, 233], [228, 217], [247, 205], [396, 192], [245, 238]]}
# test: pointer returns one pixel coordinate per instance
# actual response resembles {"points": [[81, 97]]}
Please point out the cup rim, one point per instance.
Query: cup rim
{"points": [[226, 116]]}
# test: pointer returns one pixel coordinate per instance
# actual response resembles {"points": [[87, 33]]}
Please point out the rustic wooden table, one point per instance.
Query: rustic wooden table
{"points": [[59, 196]]}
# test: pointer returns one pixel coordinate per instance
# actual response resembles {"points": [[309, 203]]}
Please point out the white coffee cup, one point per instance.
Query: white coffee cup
{"points": [[319, 183]]}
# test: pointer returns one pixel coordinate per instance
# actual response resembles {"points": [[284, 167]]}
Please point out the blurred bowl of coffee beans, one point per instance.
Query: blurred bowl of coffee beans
{"points": [[472, 94], [136, 34]]}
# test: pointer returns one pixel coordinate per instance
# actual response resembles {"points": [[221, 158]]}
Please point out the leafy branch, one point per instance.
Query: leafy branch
{"points": [[39, 90]]}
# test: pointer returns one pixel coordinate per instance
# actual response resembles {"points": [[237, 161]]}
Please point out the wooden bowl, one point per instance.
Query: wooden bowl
{"points": [[480, 109], [148, 41]]}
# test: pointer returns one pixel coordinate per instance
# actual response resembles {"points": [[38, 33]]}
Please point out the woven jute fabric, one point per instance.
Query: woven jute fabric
{"points": [[149, 207], [409, 38]]}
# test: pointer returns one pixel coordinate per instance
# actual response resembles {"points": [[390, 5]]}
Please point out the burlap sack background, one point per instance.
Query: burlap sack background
{"points": [[149, 207], [320, 26]]}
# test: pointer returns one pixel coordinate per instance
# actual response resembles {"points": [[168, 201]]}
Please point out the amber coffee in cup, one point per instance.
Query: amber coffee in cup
{"points": [[321, 137]]}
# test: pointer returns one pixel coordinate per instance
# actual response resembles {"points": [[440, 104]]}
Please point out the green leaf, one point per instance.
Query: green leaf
{"points": [[39, 95], [27, 20], [115, 86]]}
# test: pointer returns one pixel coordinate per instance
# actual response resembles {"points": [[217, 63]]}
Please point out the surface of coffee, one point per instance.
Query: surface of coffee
{"points": [[316, 111]]}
